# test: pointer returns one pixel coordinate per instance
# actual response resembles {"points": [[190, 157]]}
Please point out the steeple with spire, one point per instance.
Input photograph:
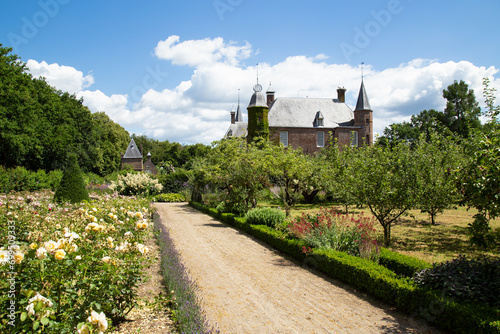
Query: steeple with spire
{"points": [[239, 115], [363, 115]]}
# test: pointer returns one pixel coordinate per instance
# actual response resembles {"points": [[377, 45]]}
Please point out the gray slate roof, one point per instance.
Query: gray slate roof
{"points": [[363, 103], [301, 112], [132, 151], [238, 129]]}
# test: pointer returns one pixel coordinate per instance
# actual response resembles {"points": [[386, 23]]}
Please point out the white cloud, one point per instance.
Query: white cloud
{"points": [[201, 52], [65, 78], [197, 109]]}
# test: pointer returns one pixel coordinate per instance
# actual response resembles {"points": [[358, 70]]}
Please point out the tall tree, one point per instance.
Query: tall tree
{"points": [[462, 110]]}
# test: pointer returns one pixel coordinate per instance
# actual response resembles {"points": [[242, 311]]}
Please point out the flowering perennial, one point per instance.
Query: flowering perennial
{"points": [[86, 259], [330, 229]]}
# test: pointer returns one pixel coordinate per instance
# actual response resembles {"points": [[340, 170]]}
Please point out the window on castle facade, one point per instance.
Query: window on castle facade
{"points": [[354, 138], [284, 138], [320, 139]]}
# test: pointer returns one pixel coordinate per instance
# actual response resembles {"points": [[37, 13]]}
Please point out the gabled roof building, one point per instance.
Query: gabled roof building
{"points": [[133, 157], [309, 123]]}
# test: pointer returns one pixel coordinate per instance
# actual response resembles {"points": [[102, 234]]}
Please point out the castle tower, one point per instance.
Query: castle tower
{"points": [[363, 117], [258, 110]]}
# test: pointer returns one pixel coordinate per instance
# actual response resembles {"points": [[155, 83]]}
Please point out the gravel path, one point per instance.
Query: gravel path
{"points": [[246, 287]]}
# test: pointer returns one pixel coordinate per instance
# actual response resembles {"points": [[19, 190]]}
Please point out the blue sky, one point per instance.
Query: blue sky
{"points": [[172, 69]]}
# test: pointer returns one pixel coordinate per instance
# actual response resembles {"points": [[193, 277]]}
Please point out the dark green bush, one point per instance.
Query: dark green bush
{"points": [[265, 216], [473, 280], [72, 187], [170, 198], [401, 264], [174, 182], [21, 179]]}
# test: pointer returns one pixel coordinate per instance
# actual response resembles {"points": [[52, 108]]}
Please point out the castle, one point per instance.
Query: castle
{"points": [[309, 123]]}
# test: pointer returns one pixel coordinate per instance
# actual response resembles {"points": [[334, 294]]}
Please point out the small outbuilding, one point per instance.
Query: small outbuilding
{"points": [[133, 157]]}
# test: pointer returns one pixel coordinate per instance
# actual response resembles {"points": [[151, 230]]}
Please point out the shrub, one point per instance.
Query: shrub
{"points": [[474, 280], [332, 230], [136, 184], [19, 179], [170, 198], [402, 264], [72, 187], [174, 182], [73, 258], [265, 216]]}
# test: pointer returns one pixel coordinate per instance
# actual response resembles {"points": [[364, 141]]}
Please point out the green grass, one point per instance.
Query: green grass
{"points": [[415, 236]]}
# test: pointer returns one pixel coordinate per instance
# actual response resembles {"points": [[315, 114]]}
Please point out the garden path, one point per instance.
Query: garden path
{"points": [[247, 287]]}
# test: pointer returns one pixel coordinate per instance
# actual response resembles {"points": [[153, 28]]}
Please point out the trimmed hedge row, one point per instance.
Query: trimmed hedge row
{"points": [[402, 264], [377, 280]]}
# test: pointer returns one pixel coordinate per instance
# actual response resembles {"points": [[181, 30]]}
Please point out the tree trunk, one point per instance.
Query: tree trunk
{"points": [[387, 235], [309, 196]]}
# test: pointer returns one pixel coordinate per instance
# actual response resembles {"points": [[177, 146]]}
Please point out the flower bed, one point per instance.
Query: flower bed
{"points": [[69, 268]]}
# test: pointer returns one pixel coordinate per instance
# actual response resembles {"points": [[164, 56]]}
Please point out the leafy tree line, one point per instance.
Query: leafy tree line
{"points": [[478, 182], [460, 118], [41, 126], [389, 181]]}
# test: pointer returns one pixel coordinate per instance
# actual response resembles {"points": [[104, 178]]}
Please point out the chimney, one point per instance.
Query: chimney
{"points": [[341, 94], [270, 95], [233, 116]]}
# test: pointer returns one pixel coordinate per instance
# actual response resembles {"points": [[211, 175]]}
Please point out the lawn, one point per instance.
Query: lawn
{"points": [[414, 235]]}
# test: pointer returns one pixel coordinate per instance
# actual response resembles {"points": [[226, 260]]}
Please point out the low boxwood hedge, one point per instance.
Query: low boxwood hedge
{"points": [[389, 281], [402, 264]]}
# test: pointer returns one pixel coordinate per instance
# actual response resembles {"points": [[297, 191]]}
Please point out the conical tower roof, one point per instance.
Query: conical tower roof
{"points": [[257, 99], [132, 151], [363, 103]]}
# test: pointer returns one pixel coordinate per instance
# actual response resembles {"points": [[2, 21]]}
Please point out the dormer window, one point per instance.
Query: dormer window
{"points": [[319, 120]]}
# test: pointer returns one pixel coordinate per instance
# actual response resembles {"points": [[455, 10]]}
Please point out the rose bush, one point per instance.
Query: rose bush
{"points": [[70, 268]]}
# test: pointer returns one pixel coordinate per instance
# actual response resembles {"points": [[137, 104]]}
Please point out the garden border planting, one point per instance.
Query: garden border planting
{"points": [[389, 286]]}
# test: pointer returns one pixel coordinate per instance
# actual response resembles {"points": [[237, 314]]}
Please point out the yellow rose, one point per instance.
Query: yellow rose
{"points": [[60, 254], [41, 253], [33, 245], [51, 246], [73, 248], [98, 319], [18, 257]]}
